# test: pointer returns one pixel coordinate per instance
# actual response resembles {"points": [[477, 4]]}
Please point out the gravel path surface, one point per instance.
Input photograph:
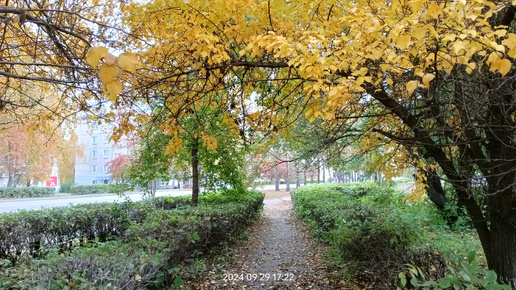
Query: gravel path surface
{"points": [[279, 255]]}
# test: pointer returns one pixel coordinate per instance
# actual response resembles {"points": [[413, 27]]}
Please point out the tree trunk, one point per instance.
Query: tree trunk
{"points": [[318, 173], [435, 190], [287, 179], [276, 176], [304, 174], [437, 195], [502, 256], [311, 174], [195, 172], [153, 185], [500, 248], [10, 181], [323, 175], [298, 181]]}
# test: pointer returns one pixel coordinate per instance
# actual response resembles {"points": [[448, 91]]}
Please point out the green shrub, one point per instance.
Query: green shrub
{"points": [[90, 189], [66, 187], [466, 274], [24, 192], [153, 238], [371, 231], [98, 189], [26, 232]]}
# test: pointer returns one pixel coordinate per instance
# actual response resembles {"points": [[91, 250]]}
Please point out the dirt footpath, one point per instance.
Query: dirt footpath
{"points": [[279, 255]]}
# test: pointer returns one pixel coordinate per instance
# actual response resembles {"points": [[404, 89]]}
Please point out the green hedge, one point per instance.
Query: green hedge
{"points": [[22, 192], [371, 231], [97, 189], [66, 227], [146, 243]]}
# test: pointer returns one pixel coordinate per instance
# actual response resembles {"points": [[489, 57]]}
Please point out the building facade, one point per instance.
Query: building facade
{"points": [[98, 151]]}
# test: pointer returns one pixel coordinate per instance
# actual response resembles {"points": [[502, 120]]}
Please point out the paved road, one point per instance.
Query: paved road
{"points": [[11, 205]]}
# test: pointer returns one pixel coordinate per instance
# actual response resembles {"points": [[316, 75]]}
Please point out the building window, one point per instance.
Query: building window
{"points": [[95, 125], [106, 181], [94, 169], [93, 182], [94, 154], [95, 140], [106, 168], [106, 153], [106, 139]]}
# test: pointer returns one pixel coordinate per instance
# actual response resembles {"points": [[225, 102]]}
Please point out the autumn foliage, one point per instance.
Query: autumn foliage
{"points": [[118, 167], [430, 81]]}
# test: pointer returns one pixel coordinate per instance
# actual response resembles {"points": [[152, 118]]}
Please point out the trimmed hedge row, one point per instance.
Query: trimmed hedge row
{"points": [[29, 231], [92, 189], [145, 243], [22, 192]]}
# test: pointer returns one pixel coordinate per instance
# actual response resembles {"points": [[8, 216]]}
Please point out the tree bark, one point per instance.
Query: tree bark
{"points": [[195, 172], [304, 174], [318, 172], [298, 181], [311, 174], [276, 176], [153, 185], [287, 179], [10, 181], [502, 256]]}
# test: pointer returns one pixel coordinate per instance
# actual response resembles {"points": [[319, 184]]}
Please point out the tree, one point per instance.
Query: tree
{"points": [[201, 142], [28, 154], [434, 79], [118, 167], [43, 72]]}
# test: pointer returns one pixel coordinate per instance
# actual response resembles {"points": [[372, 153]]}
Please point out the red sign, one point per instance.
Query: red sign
{"points": [[52, 181]]}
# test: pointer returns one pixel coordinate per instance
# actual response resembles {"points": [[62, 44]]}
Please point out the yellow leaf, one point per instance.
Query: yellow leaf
{"points": [[113, 89], [471, 66], [427, 78], [449, 37], [500, 32], [403, 42], [128, 61], [419, 33], [416, 5], [107, 73], [385, 66], [492, 60], [433, 10], [95, 54], [497, 47], [458, 46], [362, 72], [510, 43], [411, 87], [109, 59], [504, 66], [389, 81], [138, 277]]}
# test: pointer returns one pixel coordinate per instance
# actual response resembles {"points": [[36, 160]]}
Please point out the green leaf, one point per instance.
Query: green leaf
{"points": [[444, 283], [194, 237], [471, 256], [403, 279], [414, 282], [491, 276]]}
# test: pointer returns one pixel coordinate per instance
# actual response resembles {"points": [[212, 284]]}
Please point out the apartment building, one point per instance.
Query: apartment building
{"points": [[98, 150]]}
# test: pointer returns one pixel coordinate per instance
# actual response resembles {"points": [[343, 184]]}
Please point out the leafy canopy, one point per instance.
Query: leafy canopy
{"points": [[328, 59]]}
